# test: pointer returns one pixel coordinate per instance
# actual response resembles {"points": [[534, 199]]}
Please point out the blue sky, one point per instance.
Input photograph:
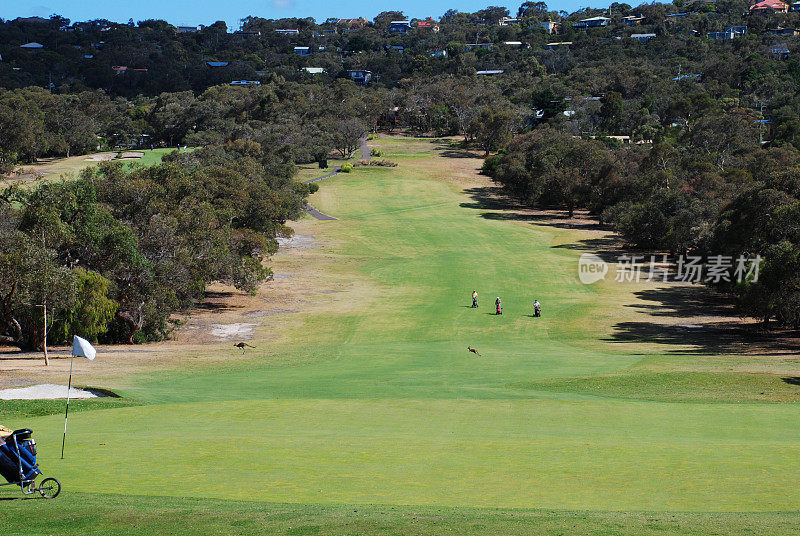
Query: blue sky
{"points": [[191, 12]]}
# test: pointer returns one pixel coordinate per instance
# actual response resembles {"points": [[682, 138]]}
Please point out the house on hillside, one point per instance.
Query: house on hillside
{"points": [[738, 30], [395, 48], [399, 26], [792, 32], [508, 21], [288, 31], [479, 46], [186, 29], [557, 45], [438, 54], [428, 24], [217, 63], [245, 83], [780, 52], [32, 46], [726, 35], [550, 26], [692, 77], [313, 70], [774, 6], [360, 76], [795, 6], [247, 34], [490, 72], [632, 20], [302, 51], [643, 37], [593, 22], [119, 69]]}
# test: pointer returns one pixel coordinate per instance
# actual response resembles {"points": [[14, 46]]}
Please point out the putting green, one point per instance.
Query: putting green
{"points": [[377, 400]]}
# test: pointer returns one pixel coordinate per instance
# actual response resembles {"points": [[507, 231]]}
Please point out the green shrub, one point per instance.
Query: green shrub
{"points": [[347, 167]]}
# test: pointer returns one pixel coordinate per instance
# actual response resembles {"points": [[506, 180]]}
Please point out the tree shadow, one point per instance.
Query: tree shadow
{"points": [[683, 301], [792, 380], [608, 248], [715, 329], [453, 149], [217, 302], [497, 205]]}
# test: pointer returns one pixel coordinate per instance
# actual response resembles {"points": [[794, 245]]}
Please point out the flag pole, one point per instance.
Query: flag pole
{"points": [[66, 412]]}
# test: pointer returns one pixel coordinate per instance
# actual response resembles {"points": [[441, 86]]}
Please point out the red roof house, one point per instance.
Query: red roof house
{"points": [[770, 5]]}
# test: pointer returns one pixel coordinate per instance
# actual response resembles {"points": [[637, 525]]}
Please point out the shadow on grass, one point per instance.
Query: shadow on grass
{"points": [[215, 306], [455, 149], [719, 332], [608, 248], [499, 206]]}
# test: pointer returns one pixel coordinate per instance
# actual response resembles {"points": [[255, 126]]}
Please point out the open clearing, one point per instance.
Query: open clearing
{"points": [[48, 169], [626, 409]]}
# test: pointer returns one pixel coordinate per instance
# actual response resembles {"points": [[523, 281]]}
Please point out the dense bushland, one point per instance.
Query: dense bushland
{"points": [[115, 252]]}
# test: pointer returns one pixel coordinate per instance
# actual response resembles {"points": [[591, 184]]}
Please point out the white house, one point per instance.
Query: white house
{"points": [[643, 37]]}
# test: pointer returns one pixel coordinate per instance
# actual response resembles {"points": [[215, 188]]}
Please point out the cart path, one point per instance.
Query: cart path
{"points": [[366, 154]]}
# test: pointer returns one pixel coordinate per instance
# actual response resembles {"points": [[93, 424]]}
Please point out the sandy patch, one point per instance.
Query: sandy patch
{"points": [[47, 391], [101, 157], [131, 155], [297, 241], [227, 332]]}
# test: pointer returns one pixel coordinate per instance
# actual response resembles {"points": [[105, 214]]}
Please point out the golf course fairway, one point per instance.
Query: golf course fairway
{"points": [[362, 412]]}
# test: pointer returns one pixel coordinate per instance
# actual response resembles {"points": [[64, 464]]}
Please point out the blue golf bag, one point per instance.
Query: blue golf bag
{"points": [[18, 457]]}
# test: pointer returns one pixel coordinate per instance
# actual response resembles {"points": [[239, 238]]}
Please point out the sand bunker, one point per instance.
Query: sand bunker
{"points": [[131, 155], [102, 157], [45, 391], [227, 332]]}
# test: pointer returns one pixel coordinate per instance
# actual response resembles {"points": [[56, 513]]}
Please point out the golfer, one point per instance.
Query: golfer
{"points": [[474, 298], [499, 305]]}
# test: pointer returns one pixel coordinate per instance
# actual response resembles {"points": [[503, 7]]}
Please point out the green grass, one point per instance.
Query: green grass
{"points": [[677, 386], [111, 515], [152, 156], [19, 410], [376, 401]]}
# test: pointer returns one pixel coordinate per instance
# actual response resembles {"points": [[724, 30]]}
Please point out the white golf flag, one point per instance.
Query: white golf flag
{"points": [[83, 348]]}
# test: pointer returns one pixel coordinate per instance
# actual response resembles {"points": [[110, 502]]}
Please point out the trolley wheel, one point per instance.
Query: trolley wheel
{"points": [[49, 488]]}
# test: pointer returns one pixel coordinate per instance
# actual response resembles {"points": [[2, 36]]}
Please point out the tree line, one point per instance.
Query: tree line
{"points": [[114, 253], [712, 191]]}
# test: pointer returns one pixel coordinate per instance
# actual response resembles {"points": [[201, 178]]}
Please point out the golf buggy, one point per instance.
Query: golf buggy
{"points": [[18, 465]]}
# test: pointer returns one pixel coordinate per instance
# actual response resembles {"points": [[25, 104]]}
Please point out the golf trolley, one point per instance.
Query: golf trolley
{"points": [[18, 465]]}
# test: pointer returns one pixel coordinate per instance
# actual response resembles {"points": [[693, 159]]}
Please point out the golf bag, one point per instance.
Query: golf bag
{"points": [[474, 302], [537, 311], [18, 457], [499, 309]]}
